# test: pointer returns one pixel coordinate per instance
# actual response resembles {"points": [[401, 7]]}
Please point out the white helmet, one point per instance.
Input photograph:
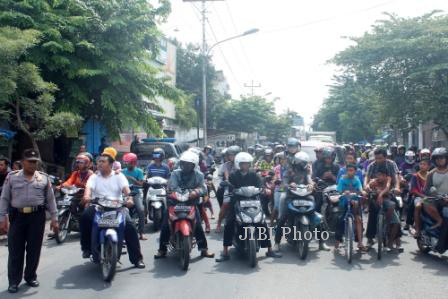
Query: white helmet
{"points": [[301, 160], [243, 157], [409, 157], [190, 157]]}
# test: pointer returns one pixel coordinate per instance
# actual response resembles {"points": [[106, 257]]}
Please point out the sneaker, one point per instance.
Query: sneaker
{"points": [[86, 254], [370, 242], [323, 246], [276, 247]]}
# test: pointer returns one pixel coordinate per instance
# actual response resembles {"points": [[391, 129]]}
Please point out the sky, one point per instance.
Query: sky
{"points": [[289, 56]]}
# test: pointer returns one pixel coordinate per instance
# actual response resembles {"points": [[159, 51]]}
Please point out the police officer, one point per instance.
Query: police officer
{"points": [[26, 195]]}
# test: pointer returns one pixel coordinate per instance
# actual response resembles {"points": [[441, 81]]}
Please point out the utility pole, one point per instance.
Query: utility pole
{"points": [[252, 86], [204, 68]]}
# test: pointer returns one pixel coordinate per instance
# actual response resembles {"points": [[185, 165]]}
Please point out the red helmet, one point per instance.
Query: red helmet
{"points": [[129, 158]]}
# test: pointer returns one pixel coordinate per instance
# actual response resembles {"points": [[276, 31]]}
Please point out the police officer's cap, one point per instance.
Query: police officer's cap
{"points": [[30, 155]]}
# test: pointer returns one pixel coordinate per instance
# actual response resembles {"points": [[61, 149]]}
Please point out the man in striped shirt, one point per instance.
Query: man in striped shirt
{"points": [[157, 167]]}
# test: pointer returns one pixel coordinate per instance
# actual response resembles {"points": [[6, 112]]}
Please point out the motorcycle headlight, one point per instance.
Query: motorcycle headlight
{"points": [[246, 219], [334, 198], [258, 218]]}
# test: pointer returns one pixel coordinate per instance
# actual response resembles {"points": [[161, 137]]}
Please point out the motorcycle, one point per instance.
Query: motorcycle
{"points": [[69, 213], [249, 216], [182, 220], [330, 209], [156, 200], [428, 239], [108, 234], [302, 218]]}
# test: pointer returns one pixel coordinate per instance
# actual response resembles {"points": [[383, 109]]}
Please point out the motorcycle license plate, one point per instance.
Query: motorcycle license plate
{"points": [[64, 202], [182, 208], [301, 203], [248, 204], [108, 222]]}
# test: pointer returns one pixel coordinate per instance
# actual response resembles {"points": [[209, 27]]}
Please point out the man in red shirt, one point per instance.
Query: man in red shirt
{"points": [[80, 176]]}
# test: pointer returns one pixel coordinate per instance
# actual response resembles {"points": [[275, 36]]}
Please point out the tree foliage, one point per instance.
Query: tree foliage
{"points": [[98, 54], [26, 100], [189, 80], [255, 114], [401, 70]]}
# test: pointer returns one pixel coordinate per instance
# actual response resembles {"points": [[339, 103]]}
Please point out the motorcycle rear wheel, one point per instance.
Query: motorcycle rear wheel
{"points": [[109, 260]]}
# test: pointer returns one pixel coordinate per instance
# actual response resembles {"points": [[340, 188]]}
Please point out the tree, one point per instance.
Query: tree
{"points": [[98, 54], [189, 80], [26, 100], [249, 114], [349, 110], [403, 62]]}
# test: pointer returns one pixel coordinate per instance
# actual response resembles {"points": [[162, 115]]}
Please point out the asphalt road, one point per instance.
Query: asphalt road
{"points": [[64, 274]]}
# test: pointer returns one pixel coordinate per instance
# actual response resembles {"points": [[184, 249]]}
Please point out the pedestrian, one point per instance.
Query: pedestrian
{"points": [[26, 194]]}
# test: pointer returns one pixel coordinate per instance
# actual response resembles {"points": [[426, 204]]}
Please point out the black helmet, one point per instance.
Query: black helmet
{"points": [[293, 142], [158, 153], [328, 152], [233, 150], [439, 152]]}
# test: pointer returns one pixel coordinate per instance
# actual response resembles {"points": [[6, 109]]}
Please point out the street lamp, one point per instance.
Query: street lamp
{"points": [[205, 55]]}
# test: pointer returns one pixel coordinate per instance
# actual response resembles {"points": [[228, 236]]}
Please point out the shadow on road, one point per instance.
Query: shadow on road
{"points": [[169, 267], [432, 261], [81, 277], [21, 294]]}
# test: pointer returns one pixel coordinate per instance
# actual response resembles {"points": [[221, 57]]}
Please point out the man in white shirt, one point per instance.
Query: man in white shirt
{"points": [[108, 183]]}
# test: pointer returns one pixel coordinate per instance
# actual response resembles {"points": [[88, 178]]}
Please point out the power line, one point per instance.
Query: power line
{"points": [[251, 69], [245, 60], [224, 57], [323, 20]]}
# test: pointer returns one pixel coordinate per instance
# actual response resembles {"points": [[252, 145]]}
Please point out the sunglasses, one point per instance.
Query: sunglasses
{"points": [[102, 160], [80, 162]]}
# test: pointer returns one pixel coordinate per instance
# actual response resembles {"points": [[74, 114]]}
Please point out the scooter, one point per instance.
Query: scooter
{"points": [[182, 220], [429, 238], [249, 217], [302, 218], [69, 213], [156, 200], [108, 234]]}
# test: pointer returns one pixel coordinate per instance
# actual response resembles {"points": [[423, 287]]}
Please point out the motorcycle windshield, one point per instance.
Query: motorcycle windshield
{"points": [[250, 191]]}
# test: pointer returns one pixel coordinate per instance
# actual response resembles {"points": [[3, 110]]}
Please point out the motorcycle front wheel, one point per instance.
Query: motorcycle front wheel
{"points": [[380, 235], [184, 252], [64, 222], [109, 261], [302, 243], [252, 249]]}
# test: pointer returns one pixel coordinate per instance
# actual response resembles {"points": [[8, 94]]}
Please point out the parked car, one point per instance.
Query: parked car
{"points": [[144, 151]]}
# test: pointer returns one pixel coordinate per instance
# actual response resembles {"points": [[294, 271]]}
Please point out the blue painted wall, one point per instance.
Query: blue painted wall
{"points": [[93, 131]]}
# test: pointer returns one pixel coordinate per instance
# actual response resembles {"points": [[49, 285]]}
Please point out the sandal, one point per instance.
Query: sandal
{"points": [[223, 258], [207, 254], [363, 248]]}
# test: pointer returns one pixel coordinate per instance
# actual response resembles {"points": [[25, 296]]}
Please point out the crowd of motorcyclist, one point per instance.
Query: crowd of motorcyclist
{"points": [[403, 182]]}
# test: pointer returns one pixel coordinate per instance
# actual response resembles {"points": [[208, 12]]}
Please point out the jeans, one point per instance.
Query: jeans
{"points": [[139, 207]]}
